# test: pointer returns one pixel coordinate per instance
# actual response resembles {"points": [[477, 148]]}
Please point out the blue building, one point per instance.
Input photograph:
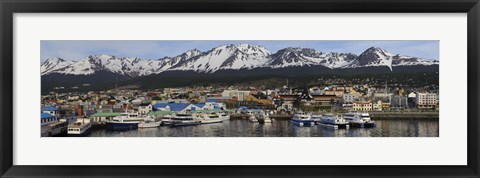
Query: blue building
{"points": [[46, 118], [50, 110]]}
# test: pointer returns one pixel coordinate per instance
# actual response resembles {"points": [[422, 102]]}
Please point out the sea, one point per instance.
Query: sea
{"points": [[283, 128]]}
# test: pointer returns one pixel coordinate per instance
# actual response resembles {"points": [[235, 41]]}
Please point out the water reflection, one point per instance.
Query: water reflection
{"points": [[283, 128]]}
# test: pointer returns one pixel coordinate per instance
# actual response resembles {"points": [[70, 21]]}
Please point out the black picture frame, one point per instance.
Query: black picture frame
{"points": [[9, 7]]}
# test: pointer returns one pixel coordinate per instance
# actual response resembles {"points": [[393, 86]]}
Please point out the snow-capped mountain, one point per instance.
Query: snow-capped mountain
{"points": [[374, 56], [228, 57], [124, 66], [243, 56], [289, 57], [53, 64]]}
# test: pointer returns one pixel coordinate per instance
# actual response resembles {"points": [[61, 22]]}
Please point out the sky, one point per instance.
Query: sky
{"points": [[155, 49]]}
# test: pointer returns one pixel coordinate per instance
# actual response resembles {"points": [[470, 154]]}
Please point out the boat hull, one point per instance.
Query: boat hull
{"points": [[211, 121], [336, 125], [362, 124], [149, 125], [121, 126], [303, 122]]}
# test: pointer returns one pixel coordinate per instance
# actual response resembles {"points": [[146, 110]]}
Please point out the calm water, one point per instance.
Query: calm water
{"points": [[283, 128]]}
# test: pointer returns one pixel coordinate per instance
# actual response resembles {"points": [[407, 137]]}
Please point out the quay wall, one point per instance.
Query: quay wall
{"points": [[403, 115], [373, 115]]}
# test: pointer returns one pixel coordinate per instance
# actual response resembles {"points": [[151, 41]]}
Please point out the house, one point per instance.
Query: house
{"points": [[362, 106], [144, 108], [47, 118]]}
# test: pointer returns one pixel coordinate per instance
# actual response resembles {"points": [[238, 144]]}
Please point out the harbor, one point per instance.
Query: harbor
{"points": [[304, 111], [250, 123], [282, 128]]}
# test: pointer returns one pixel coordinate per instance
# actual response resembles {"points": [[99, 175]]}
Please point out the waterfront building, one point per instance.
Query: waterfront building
{"points": [[399, 102], [377, 106], [47, 118], [50, 110], [362, 106], [427, 100], [380, 105], [103, 117]]}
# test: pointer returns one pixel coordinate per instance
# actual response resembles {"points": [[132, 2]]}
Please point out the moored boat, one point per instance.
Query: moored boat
{"points": [[184, 119], [224, 116], [149, 123], [79, 128], [356, 119], [333, 121], [125, 121], [302, 120], [209, 118]]}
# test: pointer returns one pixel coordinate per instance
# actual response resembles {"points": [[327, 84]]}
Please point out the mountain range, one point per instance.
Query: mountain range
{"points": [[242, 56], [229, 60]]}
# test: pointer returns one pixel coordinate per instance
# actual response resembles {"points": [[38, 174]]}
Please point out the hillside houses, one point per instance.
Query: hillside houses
{"points": [[103, 105]]}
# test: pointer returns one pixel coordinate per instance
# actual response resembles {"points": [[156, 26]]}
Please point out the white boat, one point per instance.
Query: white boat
{"points": [[166, 120], [125, 121], [149, 123], [333, 120], [356, 119], [303, 120], [184, 119], [224, 116], [79, 128], [209, 118]]}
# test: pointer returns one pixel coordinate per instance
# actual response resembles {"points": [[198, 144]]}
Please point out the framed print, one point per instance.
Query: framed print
{"points": [[239, 89]]}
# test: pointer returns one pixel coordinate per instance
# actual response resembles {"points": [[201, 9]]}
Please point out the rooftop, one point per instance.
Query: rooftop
{"points": [[49, 108]]}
